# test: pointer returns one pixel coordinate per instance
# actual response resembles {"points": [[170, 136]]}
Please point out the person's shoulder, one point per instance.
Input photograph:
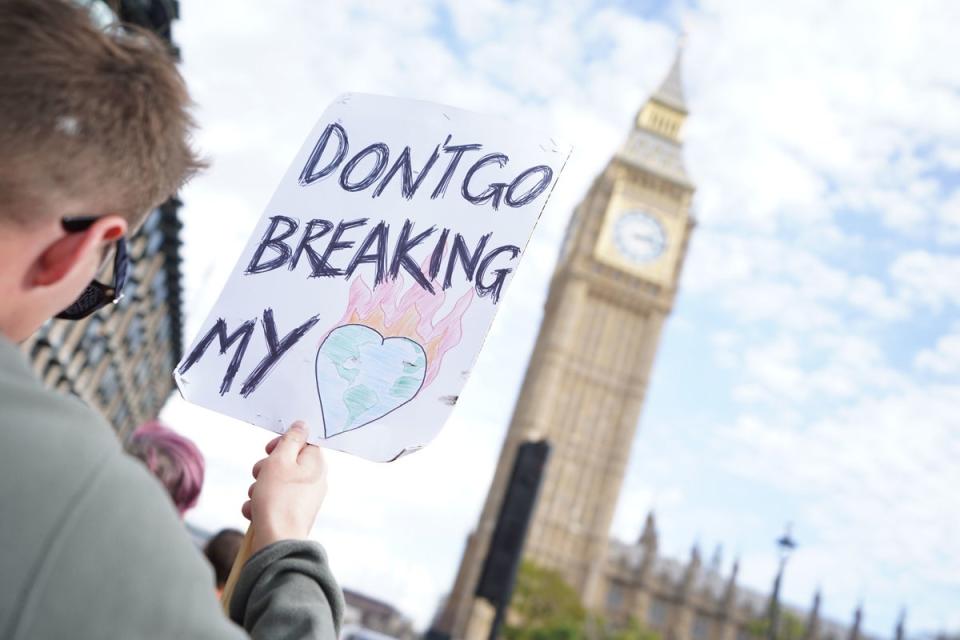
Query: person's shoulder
{"points": [[129, 538], [88, 514], [51, 449], [36, 419], [123, 534]]}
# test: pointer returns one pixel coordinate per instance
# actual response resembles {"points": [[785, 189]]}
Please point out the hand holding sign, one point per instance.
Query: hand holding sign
{"points": [[363, 297], [289, 487]]}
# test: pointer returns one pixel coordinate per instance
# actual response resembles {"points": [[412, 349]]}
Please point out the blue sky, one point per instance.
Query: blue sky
{"points": [[811, 369]]}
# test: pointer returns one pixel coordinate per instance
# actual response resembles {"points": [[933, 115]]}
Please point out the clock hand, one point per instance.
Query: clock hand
{"points": [[643, 237]]}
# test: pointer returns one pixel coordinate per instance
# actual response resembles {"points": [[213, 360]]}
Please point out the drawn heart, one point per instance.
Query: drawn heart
{"points": [[362, 376]]}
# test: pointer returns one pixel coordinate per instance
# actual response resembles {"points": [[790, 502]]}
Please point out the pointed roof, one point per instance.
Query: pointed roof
{"points": [[670, 92], [901, 624], [649, 535], [735, 570], [813, 619], [695, 558], [716, 561], [857, 620], [731, 589]]}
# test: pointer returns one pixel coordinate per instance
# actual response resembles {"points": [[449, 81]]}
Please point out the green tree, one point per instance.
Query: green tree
{"points": [[633, 631], [791, 627], [545, 607]]}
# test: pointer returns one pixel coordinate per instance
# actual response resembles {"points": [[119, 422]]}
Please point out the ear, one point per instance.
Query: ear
{"points": [[77, 255]]}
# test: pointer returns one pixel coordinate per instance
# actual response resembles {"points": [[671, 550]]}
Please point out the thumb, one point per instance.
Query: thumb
{"points": [[291, 443]]}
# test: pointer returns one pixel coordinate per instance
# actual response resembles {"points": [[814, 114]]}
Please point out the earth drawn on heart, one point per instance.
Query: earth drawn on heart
{"points": [[362, 376]]}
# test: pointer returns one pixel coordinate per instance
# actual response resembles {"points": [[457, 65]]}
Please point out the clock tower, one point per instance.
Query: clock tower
{"points": [[613, 287]]}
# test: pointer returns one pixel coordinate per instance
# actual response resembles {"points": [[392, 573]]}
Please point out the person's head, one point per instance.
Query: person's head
{"points": [[174, 460], [93, 123], [221, 551]]}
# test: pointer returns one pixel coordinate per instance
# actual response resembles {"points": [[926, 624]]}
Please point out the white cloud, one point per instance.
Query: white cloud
{"points": [[757, 278], [877, 486], [815, 373], [929, 279], [950, 216], [816, 107], [944, 358]]}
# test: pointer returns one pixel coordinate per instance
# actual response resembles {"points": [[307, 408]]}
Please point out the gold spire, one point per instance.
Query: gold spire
{"points": [[670, 93], [666, 110]]}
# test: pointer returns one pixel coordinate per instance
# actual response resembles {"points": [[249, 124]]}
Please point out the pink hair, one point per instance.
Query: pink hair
{"points": [[173, 459]]}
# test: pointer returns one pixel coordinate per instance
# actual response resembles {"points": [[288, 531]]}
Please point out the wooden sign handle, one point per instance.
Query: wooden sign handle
{"points": [[242, 556]]}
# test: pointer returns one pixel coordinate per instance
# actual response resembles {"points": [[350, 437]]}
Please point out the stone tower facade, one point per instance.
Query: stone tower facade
{"points": [[613, 287]]}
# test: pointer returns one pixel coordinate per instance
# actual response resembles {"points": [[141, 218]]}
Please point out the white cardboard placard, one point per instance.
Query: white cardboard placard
{"points": [[364, 294]]}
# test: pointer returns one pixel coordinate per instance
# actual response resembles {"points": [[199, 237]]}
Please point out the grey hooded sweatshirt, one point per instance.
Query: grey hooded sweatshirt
{"points": [[91, 546]]}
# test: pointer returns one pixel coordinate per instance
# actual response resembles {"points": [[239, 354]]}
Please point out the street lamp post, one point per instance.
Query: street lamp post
{"points": [[785, 544]]}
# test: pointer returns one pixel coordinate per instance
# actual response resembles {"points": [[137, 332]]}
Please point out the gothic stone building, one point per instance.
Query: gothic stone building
{"points": [[694, 601]]}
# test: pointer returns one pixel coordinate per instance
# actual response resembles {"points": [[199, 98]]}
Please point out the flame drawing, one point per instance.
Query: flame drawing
{"points": [[409, 315], [383, 351]]}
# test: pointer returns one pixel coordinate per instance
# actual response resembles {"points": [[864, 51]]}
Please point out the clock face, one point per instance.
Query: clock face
{"points": [[639, 237]]}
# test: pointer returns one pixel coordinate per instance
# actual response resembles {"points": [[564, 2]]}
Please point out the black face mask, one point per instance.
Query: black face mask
{"points": [[97, 295]]}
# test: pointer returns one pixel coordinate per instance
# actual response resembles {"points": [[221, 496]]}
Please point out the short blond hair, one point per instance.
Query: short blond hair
{"points": [[87, 114]]}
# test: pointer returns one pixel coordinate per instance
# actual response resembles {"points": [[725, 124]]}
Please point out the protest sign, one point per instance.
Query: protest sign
{"points": [[362, 298]]}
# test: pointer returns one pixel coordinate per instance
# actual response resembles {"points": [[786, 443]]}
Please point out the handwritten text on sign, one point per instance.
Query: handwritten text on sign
{"points": [[374, 274]]}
